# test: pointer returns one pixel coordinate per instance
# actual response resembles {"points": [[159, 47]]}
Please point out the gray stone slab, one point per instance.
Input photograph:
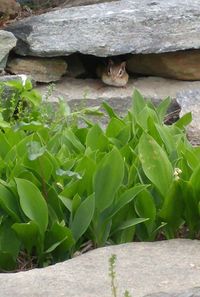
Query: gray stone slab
{"points": [[189, 100], [112, 28], [142, 268], [194, 292], [7, 42]]}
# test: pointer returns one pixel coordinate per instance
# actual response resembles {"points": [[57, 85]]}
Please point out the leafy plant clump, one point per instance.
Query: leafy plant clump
{"points": [[63, 184]]}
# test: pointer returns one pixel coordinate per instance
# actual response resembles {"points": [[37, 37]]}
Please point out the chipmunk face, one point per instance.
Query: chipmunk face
{"points": [[116, 71], [115, 74]]}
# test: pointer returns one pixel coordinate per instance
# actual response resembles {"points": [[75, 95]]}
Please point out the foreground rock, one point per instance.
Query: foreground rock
{"points": [[184, 65], [7, 42], [195, 292], [40, 69], [142, 268], [190, 102], [150, 27]]}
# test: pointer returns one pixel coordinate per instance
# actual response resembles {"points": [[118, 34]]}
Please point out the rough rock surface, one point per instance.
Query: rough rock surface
{"points": [[190, 102], [155, 88], [195, 292], [183, 65], [142, 268], [7, 42], [111, 28], [40, 69]]}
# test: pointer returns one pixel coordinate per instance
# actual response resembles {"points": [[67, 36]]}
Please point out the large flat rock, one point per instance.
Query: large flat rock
{"points": [[142, 268], [155, 88], [190, 102], [112, 28], [7, 42]]}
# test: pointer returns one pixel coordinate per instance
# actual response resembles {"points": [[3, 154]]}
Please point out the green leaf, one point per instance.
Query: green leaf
{"points": [[27, 233], [96, 139], [7, 262], [195, 182], [130, 223], [155, 163], [32, 203], [58, 240], [109, 110], [138, 103], [167, 138], [69, 173], [107, 179], [83, 217], [191, 214], [33, 96], [126, 198], [9, 203], [9, 242], [71, 137], [145, 208], [163, 107], [35, 150], [184, 120], [172, 209], [5, 146], [114, 127]]}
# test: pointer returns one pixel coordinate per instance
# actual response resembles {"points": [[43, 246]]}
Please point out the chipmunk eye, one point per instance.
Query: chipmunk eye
{"points": [[109, 71], [120, 73]]}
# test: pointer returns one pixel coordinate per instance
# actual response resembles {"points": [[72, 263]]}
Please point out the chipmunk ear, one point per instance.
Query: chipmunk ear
{"points": [[110, 62], [123, 65]]}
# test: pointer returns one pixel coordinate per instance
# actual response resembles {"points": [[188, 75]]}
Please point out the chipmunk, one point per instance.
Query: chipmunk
{"points": [[114, 74]]}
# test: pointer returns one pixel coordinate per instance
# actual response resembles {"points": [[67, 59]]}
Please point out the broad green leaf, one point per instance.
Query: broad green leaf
{"points": [[33, 203], [83, 217], [7, 262], [35, 150], [126, 198], [184, 120], [58, 240], [114, 127], [191, 213], [145, 206], [66, 201], [28, 234], [130, 223], [109, 110], [30, 126], [87, 166], [172, 209], [163, 107], [167, 138], [5, 146], [96, 139], [69, 173], [33, 96], [195, 181], [42, 165], [107, 179], [138, 103], [75, 204], [9, 203], [155, 163], [71, 137], [9, 242]]}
